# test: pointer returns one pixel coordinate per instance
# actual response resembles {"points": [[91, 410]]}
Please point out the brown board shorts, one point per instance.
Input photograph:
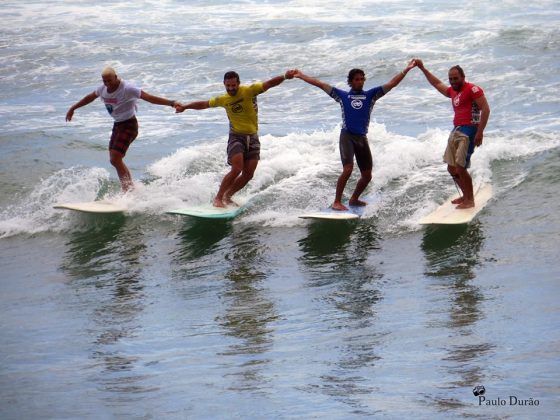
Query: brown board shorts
{"points": [[248, 144]]}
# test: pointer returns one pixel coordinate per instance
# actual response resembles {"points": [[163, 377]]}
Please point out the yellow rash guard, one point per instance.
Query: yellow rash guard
{"points": [[241, 109]]}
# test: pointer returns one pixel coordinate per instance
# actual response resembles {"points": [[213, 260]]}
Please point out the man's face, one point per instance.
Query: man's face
{"points": [[231, 85], [456, 80], [111, 81], [358, 82]]}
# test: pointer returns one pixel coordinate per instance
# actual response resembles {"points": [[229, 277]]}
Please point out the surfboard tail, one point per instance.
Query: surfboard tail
{"points": [[448, 214]]}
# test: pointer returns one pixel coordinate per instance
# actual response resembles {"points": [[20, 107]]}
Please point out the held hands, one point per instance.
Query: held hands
{"points": [[290, 74], [298, 74], [411, 64], [179, 107]]}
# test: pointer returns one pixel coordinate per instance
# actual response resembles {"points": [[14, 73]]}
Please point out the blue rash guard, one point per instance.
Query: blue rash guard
{"points": [[356, 108]]}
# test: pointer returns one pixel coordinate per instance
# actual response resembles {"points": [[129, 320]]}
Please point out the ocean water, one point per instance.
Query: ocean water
{"points": [[148, 315]]}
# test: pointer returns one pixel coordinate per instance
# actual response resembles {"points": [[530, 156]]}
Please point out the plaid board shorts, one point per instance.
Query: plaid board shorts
{"points": [[124, 133]]}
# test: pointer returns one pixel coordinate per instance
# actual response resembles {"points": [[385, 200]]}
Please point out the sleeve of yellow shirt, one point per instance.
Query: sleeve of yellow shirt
{"points": [[215, 101], [253, 90], [256, 88]]}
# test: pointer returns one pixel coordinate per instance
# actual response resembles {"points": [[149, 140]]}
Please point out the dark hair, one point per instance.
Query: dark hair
{"points": [[231, 75], [352, 73], [459, 69]]}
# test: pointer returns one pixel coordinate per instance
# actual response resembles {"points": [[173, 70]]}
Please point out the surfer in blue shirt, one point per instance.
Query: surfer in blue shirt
{"points": [[356, 106]]}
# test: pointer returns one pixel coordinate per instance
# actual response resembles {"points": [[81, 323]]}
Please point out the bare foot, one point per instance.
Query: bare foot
{"points": [[229, 202], [127, 186], [359, 203], [218, 203], [339, 206], [465, 205], [458, 200]]}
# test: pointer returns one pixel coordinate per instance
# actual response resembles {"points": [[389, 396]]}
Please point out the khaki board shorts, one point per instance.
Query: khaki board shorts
{"points": [[458, 148]]}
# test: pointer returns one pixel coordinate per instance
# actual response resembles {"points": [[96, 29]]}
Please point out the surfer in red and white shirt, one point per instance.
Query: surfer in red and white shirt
{"points": [[120, 99], [471, 116]]}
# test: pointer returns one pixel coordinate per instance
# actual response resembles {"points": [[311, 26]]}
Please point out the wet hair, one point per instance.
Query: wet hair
{"points": [[352, 73], [231, 75], [459, 69]]}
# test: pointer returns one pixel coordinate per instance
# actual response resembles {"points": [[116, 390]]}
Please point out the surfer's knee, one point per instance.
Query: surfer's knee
{"points": [[366, 175], [347, 170], [248, 175], [461, 172], [235, 171], [249, 169], [116, 159]]}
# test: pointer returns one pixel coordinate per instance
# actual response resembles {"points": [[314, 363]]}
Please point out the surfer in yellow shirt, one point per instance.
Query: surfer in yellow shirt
{"points": [[243, 150]]}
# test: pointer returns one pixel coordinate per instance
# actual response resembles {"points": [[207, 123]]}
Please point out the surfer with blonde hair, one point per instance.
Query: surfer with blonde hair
{"points": [[119, 97]]}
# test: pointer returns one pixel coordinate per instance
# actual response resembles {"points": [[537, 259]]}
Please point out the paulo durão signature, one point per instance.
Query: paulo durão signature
{"points": [[480, 390], [513, 400]]}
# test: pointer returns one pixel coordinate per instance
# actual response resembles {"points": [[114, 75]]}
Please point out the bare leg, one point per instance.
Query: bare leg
{"points": [[249, 167], [458, 182], [340, 185], [229, 179], [465, 182], [363, 182], [116, 159]]}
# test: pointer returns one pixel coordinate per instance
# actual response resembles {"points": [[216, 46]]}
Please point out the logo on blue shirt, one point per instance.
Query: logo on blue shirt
{"points": [[356, 108], [357, 104]]}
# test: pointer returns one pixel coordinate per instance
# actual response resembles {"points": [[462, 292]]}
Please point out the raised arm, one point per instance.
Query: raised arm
{"points": [[275, 81], [156, 99], [179, 107], [433, 80], [484, 115], [399, 77], [312, 81], [82, 102]]}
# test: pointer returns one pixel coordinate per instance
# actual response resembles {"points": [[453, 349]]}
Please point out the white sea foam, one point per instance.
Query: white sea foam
{"points": [[297, 173], [35, 212]]}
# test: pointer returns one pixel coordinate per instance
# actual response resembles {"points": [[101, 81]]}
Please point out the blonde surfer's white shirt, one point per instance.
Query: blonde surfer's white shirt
{"points": [[121, 104]]}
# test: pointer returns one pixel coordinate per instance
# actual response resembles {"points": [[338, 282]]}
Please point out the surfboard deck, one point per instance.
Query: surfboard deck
{"points": [[448, 214], [353, 212], [101, 206], [325, 214], [208, 211]]}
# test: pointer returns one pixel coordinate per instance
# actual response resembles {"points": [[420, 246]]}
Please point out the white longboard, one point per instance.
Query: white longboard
{"points": [[208, 211], [101, 206], [329, 214], [448, 214], [353, 212]]}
